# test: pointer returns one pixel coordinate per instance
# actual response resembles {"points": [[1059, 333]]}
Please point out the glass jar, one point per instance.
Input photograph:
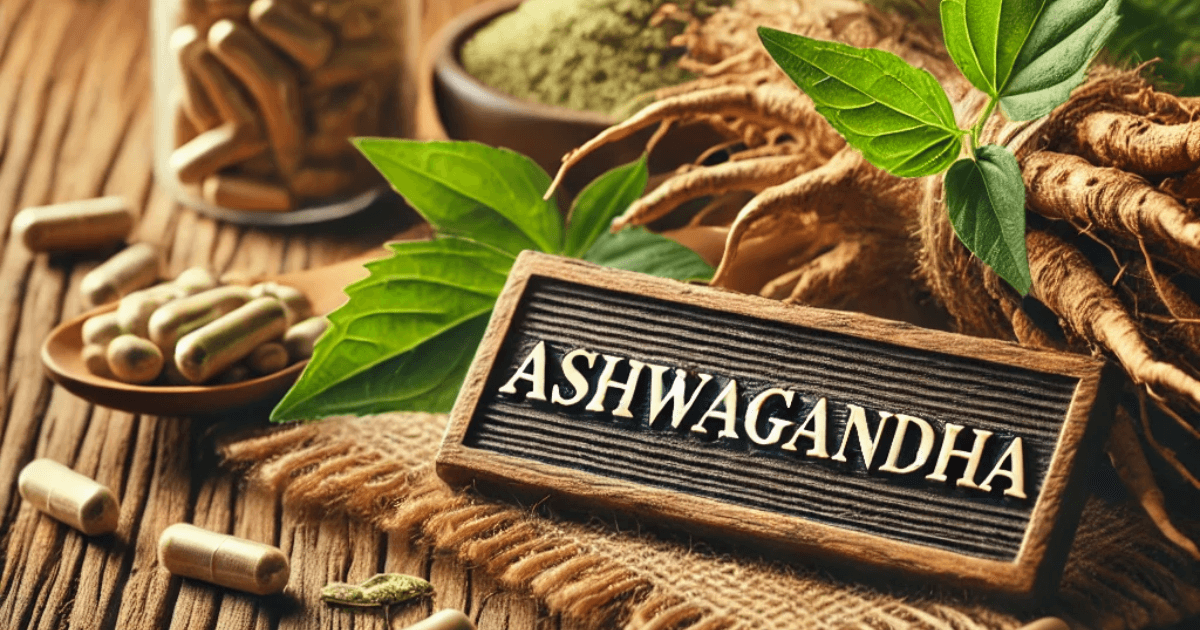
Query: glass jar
{"points": [[255, 103]]}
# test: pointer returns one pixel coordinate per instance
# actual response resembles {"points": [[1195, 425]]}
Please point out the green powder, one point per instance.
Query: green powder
{"points": [[597, 55]]}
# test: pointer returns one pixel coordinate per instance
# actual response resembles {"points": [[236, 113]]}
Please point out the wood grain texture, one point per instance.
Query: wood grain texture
{"points": [[75, 122], [725, 483]]}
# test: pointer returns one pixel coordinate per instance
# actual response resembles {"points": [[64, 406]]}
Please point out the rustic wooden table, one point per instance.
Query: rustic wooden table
{"points": [[75, 122]]}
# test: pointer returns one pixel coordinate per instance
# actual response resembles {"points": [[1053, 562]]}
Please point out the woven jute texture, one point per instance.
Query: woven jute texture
{"points": [[1121, 573]]}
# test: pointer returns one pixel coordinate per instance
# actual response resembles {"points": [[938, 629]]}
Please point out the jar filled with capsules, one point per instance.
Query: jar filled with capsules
{"points": [[256, 103]]}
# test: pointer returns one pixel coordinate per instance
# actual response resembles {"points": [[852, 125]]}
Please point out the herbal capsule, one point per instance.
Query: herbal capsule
{"points": [[294, 301], [235, 374], [194, 280], [300, 338], [75, 225], [1047, 623], [302, 38], [69, 497], [224, 560], [134, 360], [135, 310], [212, 348], [96, 359], [245, 193], [101, 329], [131, 269], [448, 619], [268, 358], [178, 318]]}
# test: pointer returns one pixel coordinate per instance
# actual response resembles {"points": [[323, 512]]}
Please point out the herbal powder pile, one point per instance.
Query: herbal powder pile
{"points": [[596, 55]]}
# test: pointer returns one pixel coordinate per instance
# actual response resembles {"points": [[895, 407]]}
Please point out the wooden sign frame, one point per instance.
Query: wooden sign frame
{"points": [[1045, 535]]}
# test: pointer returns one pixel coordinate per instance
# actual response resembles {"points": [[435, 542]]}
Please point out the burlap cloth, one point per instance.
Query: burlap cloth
{"points": [[1121, 573]]}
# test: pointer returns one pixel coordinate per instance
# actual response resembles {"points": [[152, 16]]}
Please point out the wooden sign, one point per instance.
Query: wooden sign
{"points": [[825, 433]]}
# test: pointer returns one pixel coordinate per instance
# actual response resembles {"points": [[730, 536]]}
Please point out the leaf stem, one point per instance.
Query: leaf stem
{"points": [[978, 128]]}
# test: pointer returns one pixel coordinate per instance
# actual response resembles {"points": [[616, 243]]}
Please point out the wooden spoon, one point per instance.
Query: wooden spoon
{"points": [[63, 357]]}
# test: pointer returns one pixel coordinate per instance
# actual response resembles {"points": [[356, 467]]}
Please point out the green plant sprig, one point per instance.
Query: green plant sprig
{"points": [[1026, 55], [406, 337]]}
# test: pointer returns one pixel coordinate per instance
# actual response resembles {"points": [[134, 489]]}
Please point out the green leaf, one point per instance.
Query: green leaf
{"points": [[602, 201], [896, 115], [986, 198], [637, 249], [426, 378], [1028, 53], [489, 195], [422, 292]]}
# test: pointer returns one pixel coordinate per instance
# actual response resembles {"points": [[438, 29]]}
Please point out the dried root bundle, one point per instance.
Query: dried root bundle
{"points": [[1113, 193]]}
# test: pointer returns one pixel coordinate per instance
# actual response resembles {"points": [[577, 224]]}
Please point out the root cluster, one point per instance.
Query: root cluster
{"points": [[1113, 194]]}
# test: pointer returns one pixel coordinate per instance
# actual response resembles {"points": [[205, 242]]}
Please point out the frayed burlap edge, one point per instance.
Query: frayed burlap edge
{"points": [[1121, 576]]}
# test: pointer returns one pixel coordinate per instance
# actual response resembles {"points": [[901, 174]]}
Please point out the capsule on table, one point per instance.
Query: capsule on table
{"points": [[268, 358], [214, 347], [133, 268], [224, 560], [302, 337], [294, 301], [101, 329], [69, 497], [448, 619], [133, 359], [176, 319], [75, 225]]}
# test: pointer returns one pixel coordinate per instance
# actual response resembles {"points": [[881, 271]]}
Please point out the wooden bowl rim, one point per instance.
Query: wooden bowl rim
{"points": [[446, 62]]}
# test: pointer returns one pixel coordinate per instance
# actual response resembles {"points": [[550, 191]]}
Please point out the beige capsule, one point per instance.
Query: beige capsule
{"points": [[133, 268], [101, 329], [235, 374], [245, 193], [319, 182], [187, 43], [95, 358], [176, 319], [294, 301], [135, 309], [215, 149], [268, 358], [302, 337], [226, 96], [194, 280], [1047, 623], [353, 63], [69, 497], [133, 359], [271, 82], [448, 619], [75, 225], [302, 38], [223, 560], [214, 347]]}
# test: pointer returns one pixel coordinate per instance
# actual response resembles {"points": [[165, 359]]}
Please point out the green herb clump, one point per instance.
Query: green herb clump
{"points": [[594, 55]]}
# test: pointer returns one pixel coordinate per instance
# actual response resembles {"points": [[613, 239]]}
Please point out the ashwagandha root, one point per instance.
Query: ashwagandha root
{"points": [[769, 105], [793, 205], [1068, 187], [1138, 145], [752, 175], [1125, 451], [1065, 281]]}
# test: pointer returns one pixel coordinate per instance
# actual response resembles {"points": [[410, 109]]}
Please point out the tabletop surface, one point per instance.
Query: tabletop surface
{"points": [[75, 122]]}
